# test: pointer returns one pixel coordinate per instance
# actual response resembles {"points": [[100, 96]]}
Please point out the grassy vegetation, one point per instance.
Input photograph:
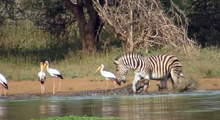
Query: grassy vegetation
{"points": [[204, 64], [23, 48], [79, 118]]}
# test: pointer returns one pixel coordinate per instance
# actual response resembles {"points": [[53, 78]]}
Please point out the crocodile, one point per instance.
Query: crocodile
{"points": [[140, 87]]}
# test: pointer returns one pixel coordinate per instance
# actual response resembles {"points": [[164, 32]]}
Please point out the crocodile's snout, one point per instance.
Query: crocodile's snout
{"points": [[142, 85]]}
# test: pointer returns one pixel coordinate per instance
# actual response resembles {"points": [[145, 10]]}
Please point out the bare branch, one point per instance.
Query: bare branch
{"points": [[140, 23]]}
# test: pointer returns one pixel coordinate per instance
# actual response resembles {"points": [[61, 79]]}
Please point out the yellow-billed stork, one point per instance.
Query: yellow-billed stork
{"points": [[53, 73], [4, 83], [109, 76], [42, 77]]}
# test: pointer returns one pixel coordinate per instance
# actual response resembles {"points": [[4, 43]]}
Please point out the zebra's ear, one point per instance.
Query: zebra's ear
{"points": [[116, 62]]}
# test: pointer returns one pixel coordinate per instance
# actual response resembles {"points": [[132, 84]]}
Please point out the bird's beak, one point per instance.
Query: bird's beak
{"points": [[44, 65], [98, 69]]}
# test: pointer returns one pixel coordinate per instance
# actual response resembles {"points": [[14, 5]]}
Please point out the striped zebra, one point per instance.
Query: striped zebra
{"points": [[158, 67]]}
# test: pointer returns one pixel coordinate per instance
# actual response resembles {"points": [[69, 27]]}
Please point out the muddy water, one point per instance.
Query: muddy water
{"points": [[186, 106]]}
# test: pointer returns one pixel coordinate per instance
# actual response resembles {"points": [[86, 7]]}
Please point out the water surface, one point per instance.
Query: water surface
{"points": [[185, 106]]}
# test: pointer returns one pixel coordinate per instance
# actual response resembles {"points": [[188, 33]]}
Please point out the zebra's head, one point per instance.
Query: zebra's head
{"points": [[125, 62], [121, 72]]}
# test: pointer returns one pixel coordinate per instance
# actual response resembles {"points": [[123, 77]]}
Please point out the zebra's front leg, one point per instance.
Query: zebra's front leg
{"points": [[147, 84], [163, 84], [136, 79]]}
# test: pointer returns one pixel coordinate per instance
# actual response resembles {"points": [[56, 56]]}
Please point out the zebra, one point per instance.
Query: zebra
{"points": [[158, 67]]}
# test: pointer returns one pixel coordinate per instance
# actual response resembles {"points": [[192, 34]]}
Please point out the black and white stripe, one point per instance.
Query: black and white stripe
{"points": [[158, 67]]}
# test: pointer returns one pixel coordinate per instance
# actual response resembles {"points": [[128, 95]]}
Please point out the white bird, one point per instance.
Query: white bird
{"points": [[42, 77], [4, 82], [109, 76], [53, 73]]}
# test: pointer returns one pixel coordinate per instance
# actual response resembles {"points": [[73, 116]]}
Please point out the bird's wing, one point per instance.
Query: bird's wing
{"points": [[44, 74], [108, 74], [53, 72], [3, 79], [41, 75]]}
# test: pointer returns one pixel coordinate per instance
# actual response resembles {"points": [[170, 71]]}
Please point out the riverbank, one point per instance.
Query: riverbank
{"points": [[81, 84]]}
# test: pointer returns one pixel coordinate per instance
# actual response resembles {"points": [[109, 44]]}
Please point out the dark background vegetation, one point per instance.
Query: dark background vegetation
{"points": [[64, 35]]}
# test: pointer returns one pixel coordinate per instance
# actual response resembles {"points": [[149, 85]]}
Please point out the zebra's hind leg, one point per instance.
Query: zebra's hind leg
{"points": [[174, 79], [175, 82]]}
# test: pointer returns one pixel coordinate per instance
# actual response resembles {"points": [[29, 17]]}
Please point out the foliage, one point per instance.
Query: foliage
{"points": [[182, 4], [79, 118], [22, 43], [108, 42], [203, 16], [52, 17], [204, 19], [48, 15], [10, 9]]}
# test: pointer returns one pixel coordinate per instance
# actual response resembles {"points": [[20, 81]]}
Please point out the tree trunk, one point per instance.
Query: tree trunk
{"points": [[89, 29], [129, 43], [89, 40], [129, 46]]}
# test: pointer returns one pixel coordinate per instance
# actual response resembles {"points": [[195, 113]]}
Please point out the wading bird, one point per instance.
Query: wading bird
{"points": [[53, 73], [4, 82], [109, 76], [42, 77]]}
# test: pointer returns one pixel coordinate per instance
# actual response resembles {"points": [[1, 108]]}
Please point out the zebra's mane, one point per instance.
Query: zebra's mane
{"points": [[128, 55]]}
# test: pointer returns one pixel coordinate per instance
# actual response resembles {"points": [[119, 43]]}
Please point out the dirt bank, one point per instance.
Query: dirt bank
{"points": [[80, 84]]}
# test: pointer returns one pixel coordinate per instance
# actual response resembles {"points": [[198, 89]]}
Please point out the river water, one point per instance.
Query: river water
{"points": [[202, 105]]}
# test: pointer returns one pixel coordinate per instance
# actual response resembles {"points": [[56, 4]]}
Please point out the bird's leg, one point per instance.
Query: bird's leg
{"points": [[2, 90], [53, 86], [107, 83], [114, 83], [59, 85], [43, 87]]}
